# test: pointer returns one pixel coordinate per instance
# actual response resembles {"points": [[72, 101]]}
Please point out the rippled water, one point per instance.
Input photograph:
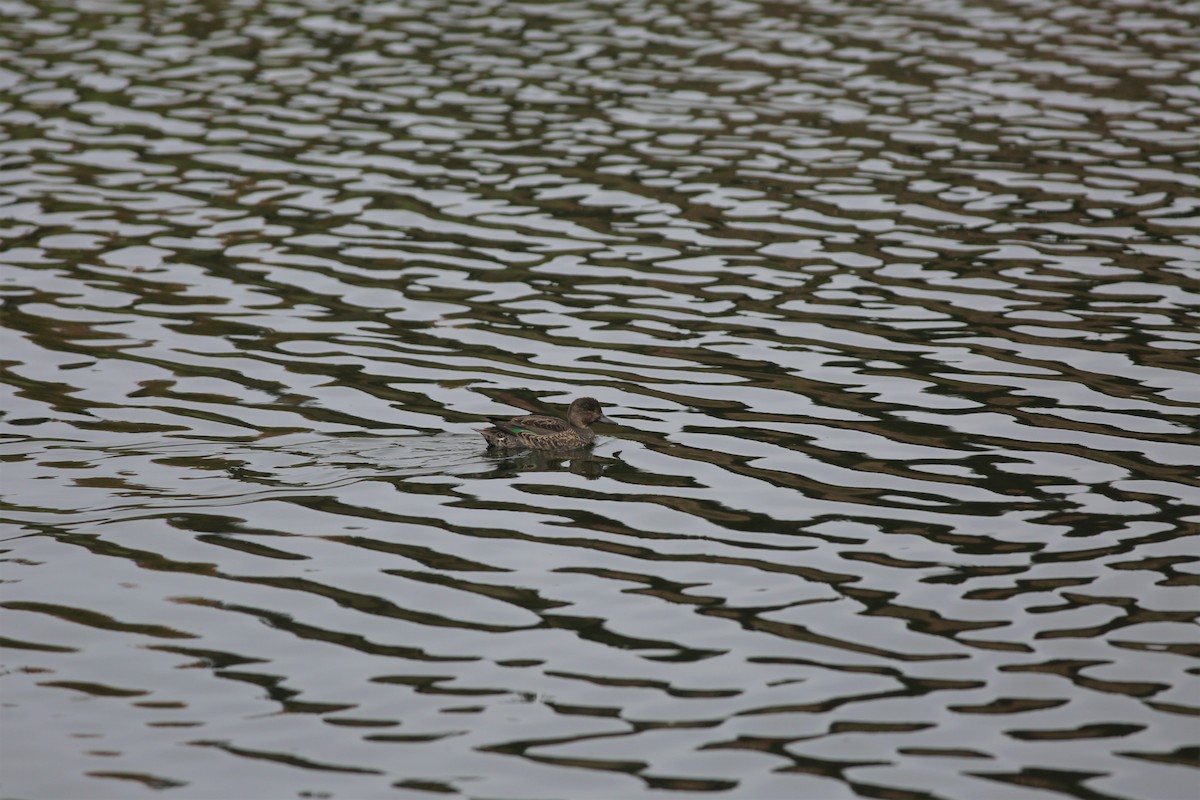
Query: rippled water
{"points": [[896, 305]]}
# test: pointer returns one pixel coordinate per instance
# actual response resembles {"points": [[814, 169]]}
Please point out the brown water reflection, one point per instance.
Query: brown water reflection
{"points": [[895, 305]]}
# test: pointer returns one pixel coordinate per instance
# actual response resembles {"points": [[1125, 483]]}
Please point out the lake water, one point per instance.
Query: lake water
{"points": [[896, 306]]}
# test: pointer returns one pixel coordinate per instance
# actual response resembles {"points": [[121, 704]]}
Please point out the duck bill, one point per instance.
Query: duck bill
{"points": [[605, 420]]}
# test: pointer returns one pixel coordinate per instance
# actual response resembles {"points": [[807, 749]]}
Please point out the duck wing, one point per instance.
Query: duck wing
{"points": [[533, 425]]}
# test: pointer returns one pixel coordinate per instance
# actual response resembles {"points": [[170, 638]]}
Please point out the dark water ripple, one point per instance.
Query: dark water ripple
{"points": [[896, 305]]}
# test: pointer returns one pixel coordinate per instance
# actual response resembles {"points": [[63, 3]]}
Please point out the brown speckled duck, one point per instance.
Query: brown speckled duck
{"points": [[536, 432]]}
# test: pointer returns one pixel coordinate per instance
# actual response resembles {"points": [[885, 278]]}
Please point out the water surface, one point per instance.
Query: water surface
{"points": [[896, 305]]}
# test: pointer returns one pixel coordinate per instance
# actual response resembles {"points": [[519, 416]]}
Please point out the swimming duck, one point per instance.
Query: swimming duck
{"points": [[536, 432]]}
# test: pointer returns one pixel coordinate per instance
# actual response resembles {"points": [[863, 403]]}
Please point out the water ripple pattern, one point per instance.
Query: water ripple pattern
{"points": [[896, 306]]}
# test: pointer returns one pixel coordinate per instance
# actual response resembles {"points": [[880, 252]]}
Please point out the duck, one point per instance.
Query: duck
{"points": [[537, 432]]}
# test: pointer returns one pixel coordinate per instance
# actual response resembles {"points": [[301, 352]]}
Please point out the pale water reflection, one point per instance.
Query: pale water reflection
{"points": [[894, 305]]}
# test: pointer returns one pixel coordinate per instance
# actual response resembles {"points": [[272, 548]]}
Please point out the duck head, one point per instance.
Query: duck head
{"points": [[584, 411]]}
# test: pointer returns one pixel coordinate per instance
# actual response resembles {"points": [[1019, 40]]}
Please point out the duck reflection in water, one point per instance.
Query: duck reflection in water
{"points": [[585, 463], [536, 432]]}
